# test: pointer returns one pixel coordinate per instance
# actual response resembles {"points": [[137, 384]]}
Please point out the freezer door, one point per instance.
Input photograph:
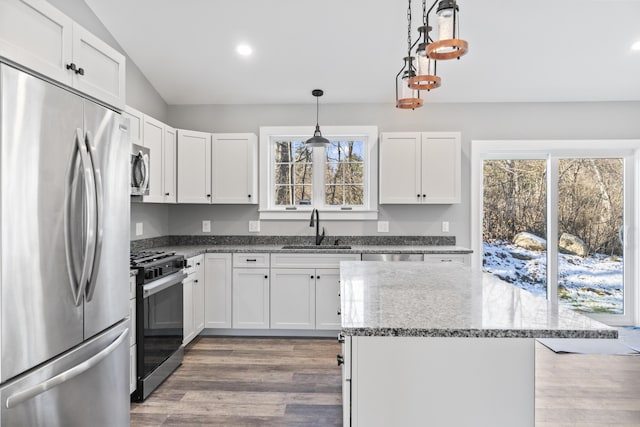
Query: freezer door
{"points": [[107, 293], [88, 386], [39, 318]]}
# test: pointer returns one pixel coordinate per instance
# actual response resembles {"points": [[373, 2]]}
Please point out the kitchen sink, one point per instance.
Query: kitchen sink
{"points": [[323, 247]]}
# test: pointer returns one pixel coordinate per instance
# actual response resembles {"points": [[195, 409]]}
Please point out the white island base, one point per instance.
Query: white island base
{"points": [[439, 381]]}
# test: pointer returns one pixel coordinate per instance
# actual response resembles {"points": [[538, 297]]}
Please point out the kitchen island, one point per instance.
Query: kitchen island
{"points": [[444, 345]]}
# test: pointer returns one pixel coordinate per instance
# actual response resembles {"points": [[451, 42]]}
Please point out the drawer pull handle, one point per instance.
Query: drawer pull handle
{"points": [[446, 260], [252, 260]]}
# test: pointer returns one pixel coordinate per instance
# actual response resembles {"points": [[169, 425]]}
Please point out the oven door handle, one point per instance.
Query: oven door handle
{"points": [[162, 284]]}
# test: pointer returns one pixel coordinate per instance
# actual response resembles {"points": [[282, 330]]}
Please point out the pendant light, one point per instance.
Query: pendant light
{"points": [[426, 78], [448, 46], [406, 96], [317, 140]]}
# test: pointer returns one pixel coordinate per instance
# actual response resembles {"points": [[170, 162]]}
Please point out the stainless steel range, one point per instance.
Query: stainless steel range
{"points": [[159, 329]]}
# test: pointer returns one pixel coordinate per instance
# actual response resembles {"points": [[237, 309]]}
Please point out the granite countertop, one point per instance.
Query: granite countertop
{"points": [[189, 250], [418, 299]]}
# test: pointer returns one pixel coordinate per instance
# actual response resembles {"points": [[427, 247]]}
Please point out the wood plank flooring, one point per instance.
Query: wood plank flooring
{"points": [[249, 382], [295, 382]]}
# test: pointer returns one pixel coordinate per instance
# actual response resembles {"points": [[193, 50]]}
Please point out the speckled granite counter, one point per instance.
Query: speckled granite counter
{"points": [[189, 251], [418, 299]]}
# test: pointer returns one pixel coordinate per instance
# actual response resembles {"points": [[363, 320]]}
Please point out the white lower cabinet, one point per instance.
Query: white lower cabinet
{"points": [[250, 298], [447, 259], [217, 293], [328, 298], [293, 298], [193, 298], [305, 290]]}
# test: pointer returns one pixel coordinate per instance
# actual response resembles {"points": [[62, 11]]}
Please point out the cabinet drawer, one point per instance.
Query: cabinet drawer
{"points": [[251, 260], [446, 258], [311, 260]]}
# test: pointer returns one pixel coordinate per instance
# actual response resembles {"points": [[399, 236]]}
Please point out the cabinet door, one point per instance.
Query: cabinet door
{"points": [[194, 167], [328, 298], [234, 168], [132, 322], [187, 309], [103, 68], [217, 294], [251, 298], [441, 157], [169, 176], [198, 294], [135, 124], [38, 36], [293, 298], [153, 137], [400, 179]]}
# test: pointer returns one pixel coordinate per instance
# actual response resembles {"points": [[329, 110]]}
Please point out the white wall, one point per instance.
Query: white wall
{"points": [[476, 121], [154, 218]]}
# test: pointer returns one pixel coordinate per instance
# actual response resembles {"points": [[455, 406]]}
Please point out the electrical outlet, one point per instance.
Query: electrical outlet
{"points": [[383, 226], [254, 226], [139, 231], [206, 226], [445, 226]]}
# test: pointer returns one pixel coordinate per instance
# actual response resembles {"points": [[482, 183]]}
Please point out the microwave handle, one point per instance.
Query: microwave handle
{"points": [[145, 174]]}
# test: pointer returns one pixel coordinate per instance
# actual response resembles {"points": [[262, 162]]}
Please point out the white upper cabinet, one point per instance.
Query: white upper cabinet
{"points": [[100, 68], [135, 124], [234, 168], [153, 139], [169, 163], [194, 167], [420, 168], [38, 36]]}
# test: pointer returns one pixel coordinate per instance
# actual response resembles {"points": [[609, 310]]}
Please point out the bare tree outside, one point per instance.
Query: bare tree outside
{"points": [[590, 216]]}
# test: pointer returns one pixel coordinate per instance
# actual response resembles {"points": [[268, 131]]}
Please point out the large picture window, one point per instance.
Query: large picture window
{"points": [[339, 179]]}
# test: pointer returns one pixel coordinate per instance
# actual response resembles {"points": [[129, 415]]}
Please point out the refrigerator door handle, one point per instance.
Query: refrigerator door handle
{"points": [[70, 205], [31, 392], [90, 228], [99, 199]]}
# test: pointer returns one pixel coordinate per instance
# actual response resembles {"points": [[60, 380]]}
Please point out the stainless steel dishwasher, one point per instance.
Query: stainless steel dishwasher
{"points": [[393, 257]]}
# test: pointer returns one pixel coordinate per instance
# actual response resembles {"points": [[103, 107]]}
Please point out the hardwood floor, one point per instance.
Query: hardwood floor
{"points": [[249, 382], [295, 382]]}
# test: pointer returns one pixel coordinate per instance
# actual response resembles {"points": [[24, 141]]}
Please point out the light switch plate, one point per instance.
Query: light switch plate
{"points": [[254, 226], [206, 226], [139, 230], [383, 226], [445, 226]]}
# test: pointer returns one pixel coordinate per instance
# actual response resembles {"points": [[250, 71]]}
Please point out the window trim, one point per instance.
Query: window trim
{"points": [[267, 210], [555, 149]]}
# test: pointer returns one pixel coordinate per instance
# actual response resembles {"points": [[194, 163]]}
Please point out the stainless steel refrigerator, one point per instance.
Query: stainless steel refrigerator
{"points": [[64, 211]]}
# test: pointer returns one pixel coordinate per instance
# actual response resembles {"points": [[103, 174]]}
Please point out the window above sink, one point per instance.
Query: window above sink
{"points": [[339, 180]]}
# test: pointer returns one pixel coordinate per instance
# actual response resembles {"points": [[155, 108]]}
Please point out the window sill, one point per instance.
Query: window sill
{"points": [[324, 215]]}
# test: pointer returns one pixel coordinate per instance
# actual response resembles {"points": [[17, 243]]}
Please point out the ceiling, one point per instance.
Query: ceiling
{"points": [[519, 50]]}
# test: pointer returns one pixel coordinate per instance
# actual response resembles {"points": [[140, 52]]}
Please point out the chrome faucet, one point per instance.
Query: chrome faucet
{"points": [[319, 237]]}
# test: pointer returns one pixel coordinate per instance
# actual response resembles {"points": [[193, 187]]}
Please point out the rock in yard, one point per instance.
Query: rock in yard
{"points": [[530, 241], [570, 244]]}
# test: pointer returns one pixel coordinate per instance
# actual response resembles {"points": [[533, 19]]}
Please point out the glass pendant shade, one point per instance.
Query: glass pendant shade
{"points": [[448, 45], [426, 78], [406, 96]]}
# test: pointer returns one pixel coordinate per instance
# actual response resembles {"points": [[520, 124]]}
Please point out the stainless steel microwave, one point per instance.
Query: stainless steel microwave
{"points": [[140, 172]]}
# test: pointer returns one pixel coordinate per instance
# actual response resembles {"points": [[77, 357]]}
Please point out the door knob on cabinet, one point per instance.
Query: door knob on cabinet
{"points": [[424, 195], [312, 276], [341, 338], [208, 195], [71, 67], [80, 71], [318, 277], [167, 194], [249, 196], [340, 359], [266, 277]]}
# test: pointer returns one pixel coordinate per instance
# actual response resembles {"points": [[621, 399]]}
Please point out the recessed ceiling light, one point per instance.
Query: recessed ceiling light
{"points": [[635, 46], [244, 50]]}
